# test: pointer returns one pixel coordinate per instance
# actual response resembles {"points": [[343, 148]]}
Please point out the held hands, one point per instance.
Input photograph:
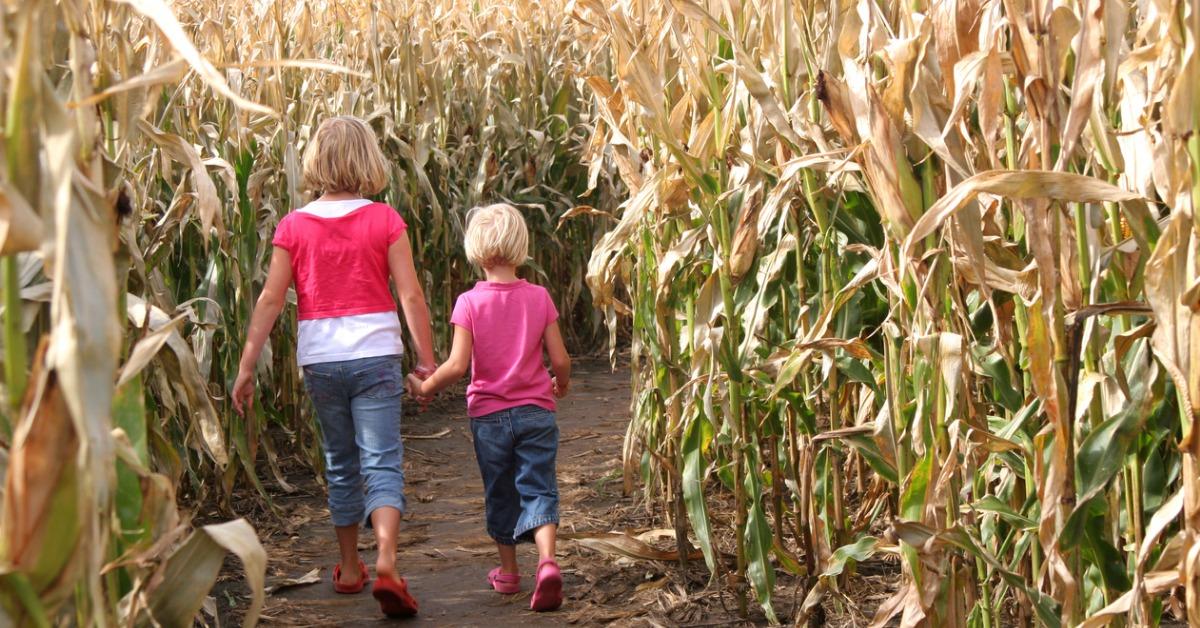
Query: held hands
{"points": [[414, 382], [414, 385], [560, 387]]}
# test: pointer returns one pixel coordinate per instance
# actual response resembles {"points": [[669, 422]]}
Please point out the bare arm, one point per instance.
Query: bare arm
{"points": [[412, 301], [450, 371], [560, 362], [266, 312]]}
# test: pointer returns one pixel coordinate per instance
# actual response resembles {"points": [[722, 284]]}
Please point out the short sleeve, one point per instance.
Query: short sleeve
{"points": [[461, 315], [283, 234], [551, 310], [395, 226]]}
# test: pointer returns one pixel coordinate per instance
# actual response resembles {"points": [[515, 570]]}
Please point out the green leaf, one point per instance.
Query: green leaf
{"points": [[758, 541], [912, 501], [856, 552], [129, 414], [1103, 451], [874, 457], [992, 504], [1003, 391], [857, 372], [697, 433], [1107, 559]]}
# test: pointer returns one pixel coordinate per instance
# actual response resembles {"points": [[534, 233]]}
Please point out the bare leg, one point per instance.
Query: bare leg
{"points": [[545, 538], [347, 537], [386, 521], [508, 558]]}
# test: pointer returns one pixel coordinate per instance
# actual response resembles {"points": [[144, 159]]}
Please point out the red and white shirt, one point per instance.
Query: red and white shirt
{"points": [[339, 252]]}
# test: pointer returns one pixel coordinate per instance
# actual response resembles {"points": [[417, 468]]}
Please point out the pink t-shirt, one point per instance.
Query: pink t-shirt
{"points": [[340, 265], [507, 322]]}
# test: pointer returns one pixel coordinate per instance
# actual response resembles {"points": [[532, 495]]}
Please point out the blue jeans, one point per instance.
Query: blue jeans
{"points": [[516, 450], [358, 406]]}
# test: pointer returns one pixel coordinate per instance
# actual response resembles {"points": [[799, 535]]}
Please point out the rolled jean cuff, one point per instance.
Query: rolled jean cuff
{"points": [[502, 539], [525, 529], [395, 500], [342, 518]]}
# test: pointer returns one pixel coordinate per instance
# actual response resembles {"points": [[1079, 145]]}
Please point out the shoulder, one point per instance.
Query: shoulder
{"points": [[535, 288], [389, 215], [537, 292], [382, 208], [284, 228], [468, 297]]}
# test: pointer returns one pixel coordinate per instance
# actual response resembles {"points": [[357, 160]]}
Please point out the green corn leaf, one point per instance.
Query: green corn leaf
{"points": [[698, 432], [758, 545], [848, 555]]}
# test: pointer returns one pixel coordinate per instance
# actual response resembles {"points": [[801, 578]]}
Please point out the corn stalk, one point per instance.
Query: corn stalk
{"points": [[960, 289]]}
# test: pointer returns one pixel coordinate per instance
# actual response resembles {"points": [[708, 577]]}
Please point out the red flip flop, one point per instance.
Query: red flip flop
{"points": [[393, 596], [350, 588]]}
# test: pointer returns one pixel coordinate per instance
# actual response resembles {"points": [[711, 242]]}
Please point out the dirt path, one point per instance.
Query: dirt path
{"points": [[444, 551]]}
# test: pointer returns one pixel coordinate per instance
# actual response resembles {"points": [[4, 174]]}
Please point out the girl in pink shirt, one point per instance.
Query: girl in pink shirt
{"points": [[339, 252], [501, 328]]}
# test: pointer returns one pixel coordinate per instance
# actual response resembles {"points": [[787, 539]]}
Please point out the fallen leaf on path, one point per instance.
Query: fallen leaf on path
{"points": [[436, 435], [473, 552], [653, 584], [312, 577], [660, 533], [625, 545], [579, 437]]}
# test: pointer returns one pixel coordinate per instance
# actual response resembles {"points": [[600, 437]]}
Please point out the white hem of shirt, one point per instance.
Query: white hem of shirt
{"points": [[353, 355]]}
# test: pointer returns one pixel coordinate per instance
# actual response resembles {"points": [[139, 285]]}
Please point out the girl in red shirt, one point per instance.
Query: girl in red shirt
{"points": [[339, 252]]}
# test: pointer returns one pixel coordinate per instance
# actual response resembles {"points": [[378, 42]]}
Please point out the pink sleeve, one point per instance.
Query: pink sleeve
{"points": [[283, 234], [551, 310], [462, 314], [395, 226]]}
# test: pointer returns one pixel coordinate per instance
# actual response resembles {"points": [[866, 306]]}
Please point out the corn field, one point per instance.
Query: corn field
{"points": [[906, 282], [149, 151]]}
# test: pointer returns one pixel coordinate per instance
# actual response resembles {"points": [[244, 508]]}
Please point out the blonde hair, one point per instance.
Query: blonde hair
{"points": [[496, 236], [344, 156]]}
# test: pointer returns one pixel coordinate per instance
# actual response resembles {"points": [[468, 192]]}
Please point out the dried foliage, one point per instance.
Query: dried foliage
{"points": [[916, 278], [149, 150]]}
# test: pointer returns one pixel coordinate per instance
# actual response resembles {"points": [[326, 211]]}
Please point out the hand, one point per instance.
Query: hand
{"points": [[243, 391], [560, 388], [414, 385]]}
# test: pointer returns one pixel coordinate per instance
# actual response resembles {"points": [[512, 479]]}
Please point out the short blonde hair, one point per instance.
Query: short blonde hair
{"points": [[344, 156], [496, 236]]}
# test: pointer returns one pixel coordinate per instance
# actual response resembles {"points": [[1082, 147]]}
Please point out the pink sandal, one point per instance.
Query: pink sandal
{"points": [[504, 582], [547, 593]]}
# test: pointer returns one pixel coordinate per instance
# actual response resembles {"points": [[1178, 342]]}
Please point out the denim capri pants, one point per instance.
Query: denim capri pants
{"points": [[516, 449], [358, 407]]}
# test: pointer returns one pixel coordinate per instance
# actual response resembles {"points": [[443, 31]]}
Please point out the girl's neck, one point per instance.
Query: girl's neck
{"points": [[338, 196], [500, 274]]}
